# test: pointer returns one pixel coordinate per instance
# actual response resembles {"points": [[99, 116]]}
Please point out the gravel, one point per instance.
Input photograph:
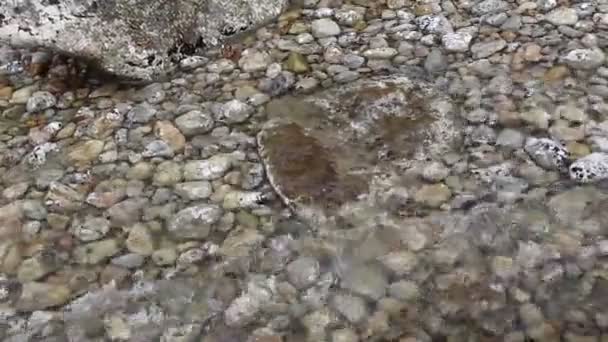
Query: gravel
{"points": [[145, 211]]}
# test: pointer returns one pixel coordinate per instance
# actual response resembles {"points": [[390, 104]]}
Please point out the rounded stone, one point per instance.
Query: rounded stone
{"points": [[194, 222], [40, 101], [433, 195], [325, 27], [140, 240], [303, 272]]}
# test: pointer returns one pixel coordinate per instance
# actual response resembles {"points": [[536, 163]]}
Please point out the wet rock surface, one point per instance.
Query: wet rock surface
{"points": [[323, 151], [352, 171], [129, 38]]}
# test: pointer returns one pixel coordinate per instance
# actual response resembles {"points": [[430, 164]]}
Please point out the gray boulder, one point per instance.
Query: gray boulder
{"points": [[136, 39]]}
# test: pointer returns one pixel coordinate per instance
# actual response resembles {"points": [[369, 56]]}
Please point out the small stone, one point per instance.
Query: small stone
{"points": [[555, 74], [22, 95], [584, 58], [168, 173], [38, 266], [193, 62], [233, 111], [152, 93], [405, 290], [530, 315], [504, 267], [344, 334], [241, 242], [117, 328], [297, 63], [395, 4], [325, 27], [141, 113], [6, 92], [40, 101], [194, 222], [105, 125], [63, 197], [577, 150], [487, 49], [95, 252], [244, 308], [532, 53], [457, 42], [278, 85], [562, 16], [433, 195], [367, 281], [510, 138], [140, 240], [93, 228], [352, 307], [105, 90], [380, 53], [41, 296], [305, 38], [164, 256], [347, 76], [253, 60], [591, 168], [209, 169], [85, 152], [435, 61], [547, 154], [572, 113], [537, 117], [140, 171], [435, 172], [157, 148], [15, 191], [272, 71], [400, 262], [195, 122], [193, 191], [130, 260], [303, 272], [34, 209], [242, 199], [168, 133], [490, 6]]}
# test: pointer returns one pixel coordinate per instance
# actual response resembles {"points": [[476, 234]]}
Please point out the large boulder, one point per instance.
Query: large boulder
{"points": [[135, 39], [329, 151]]}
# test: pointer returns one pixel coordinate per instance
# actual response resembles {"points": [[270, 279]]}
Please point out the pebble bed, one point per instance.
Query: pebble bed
{"points": [[143, 213]]}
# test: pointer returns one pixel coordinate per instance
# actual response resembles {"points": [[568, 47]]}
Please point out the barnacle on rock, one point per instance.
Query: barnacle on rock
{"points": [[591, 168], [548, 154]]}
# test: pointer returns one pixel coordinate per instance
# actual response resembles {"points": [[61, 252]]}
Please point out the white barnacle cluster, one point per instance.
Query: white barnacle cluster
{"points": [[548, 154], [591, 168], [552, 155], [37, 157]]}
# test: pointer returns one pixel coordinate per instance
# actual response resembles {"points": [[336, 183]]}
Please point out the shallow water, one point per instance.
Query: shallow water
{"points": [[148, 214]]}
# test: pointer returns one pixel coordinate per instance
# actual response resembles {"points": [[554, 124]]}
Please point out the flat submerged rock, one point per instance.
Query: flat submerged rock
{"points": [[346, 144]]}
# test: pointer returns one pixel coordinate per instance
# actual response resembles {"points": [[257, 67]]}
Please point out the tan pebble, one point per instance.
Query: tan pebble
{"points": [[509, 36], [6, 93], [556, 74], [578, 149], [165, 131], [66, 131], [532, 53], [66, 242]]}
